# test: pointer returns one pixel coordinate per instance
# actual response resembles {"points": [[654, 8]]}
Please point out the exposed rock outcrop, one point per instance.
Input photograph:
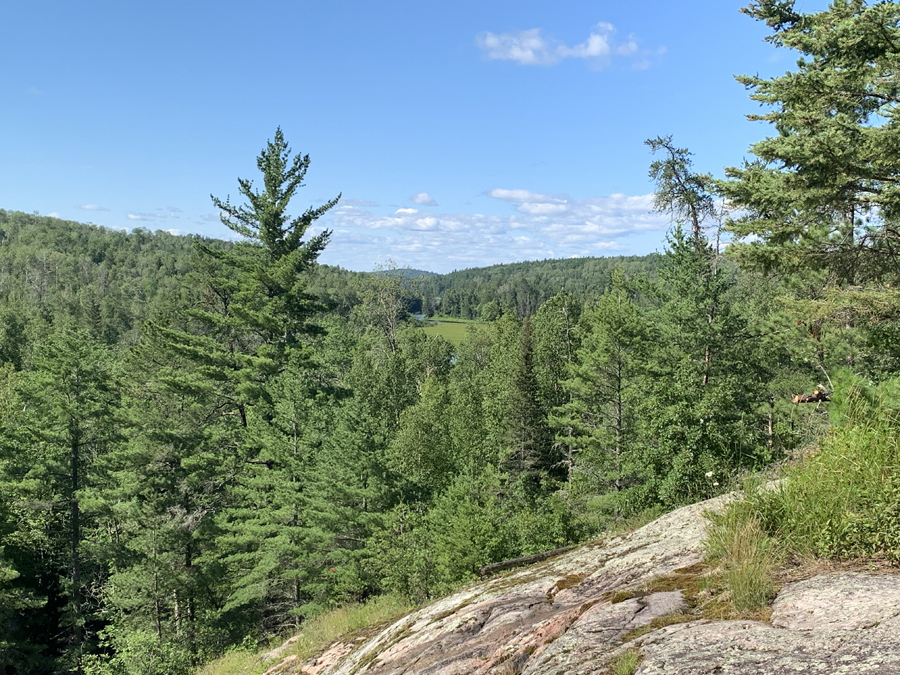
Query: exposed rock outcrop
{"points": [[569, 615], [833, 623]]}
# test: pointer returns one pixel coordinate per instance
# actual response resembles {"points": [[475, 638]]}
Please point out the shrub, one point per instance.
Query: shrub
{"points": [[844, 501]]}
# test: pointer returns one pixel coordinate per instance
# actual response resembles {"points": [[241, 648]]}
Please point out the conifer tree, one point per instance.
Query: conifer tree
{"points": [[680, 191], [68, 425], [254, 310], [212, 446], [555, 334], [530, 452], [704, 388], [824, 190], [606, 384]]}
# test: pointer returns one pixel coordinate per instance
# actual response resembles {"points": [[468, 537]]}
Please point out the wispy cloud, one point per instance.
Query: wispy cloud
{"points": [[532, 48], [523, 196], [423, 199], [92, 207], [365, 203]]}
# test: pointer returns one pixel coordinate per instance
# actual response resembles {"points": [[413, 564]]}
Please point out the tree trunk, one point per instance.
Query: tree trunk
{"points": [[77, 629]]}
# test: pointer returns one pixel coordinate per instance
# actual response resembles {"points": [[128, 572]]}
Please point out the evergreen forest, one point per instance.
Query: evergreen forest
{"points": [[205, 444]]}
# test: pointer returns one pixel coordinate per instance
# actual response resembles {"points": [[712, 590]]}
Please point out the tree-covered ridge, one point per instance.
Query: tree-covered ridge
{"points": [[255, 452], [524, 286], [109, 280]]}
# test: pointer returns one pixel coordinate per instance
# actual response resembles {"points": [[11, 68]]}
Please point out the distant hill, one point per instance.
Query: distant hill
{"points": [[524, 286], [105, 278]]}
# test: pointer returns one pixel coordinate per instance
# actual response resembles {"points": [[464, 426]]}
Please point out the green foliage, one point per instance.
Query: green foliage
{"points": [[686, 195], [705, 385], [263, 471], [58, 445], [627, 662], [745, 556], [598, 425], [824, 191], [843, 500], [521, 288]]}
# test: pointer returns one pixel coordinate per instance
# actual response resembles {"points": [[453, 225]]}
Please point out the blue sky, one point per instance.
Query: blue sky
{"points": [[460, 133]]}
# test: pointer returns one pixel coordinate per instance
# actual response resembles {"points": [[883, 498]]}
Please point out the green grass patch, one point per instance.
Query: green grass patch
{"points": [[844, 501], [746, 559], [626, 662], [452, 330], [239, 662], [840, 503], [346, 622]]}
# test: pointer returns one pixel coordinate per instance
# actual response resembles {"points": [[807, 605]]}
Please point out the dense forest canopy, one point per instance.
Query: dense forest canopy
{"points": [[203, 444]]}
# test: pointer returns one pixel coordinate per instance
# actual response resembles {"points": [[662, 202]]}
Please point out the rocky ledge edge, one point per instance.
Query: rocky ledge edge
{"points": [[567, 616]]}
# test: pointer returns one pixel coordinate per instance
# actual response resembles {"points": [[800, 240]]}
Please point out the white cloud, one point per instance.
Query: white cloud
{"points": [[423, 199], [537, 226], [542, 208], [170, 212], [53, 214], [174, 231], [627, 48], [92, 207], [526, 47], [145, 216], [428, 223], [595, 46], [531, 48], [340, 208]]}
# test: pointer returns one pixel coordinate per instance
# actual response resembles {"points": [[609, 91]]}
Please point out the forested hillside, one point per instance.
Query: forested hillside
{"points": [[109, 281], [204, 444], [522, 287]]}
